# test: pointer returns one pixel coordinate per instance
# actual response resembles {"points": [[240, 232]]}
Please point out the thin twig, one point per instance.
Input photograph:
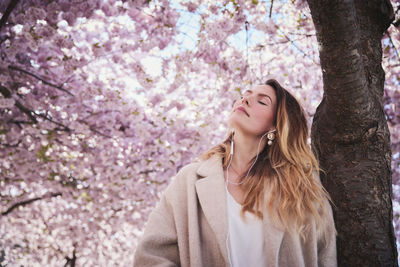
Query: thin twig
{"points": [[298, 48], [30, 113], [302, 34], [25, 110], [28, 201], [59, 87], [7, 94], [11, 145], [66, 128], [18, 123], [270, 8], [91, 127], [100, 133]]}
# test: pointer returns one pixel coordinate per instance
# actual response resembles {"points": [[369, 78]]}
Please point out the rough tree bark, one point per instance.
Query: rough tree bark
{"points": [[350, 133]]}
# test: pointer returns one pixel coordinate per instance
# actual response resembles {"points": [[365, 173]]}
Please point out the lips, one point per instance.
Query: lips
{"points": [[243, 110]]}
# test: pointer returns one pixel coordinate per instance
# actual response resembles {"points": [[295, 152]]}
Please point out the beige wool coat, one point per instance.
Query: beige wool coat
{"points": [[189, 227]]}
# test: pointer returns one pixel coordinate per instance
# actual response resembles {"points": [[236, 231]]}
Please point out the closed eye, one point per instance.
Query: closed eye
{"points": [[262, 103]]}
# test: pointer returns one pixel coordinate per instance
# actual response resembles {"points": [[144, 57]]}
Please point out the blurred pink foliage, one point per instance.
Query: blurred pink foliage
{"points": [[91, 132]]}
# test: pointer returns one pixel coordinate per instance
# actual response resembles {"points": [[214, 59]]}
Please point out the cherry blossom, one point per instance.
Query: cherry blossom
{"points": [[91, 134]]}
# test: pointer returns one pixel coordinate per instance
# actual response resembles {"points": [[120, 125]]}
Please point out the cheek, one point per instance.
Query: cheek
{"points": [[266, 119]]}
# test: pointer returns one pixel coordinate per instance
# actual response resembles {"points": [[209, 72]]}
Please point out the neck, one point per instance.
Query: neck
{"points": [[245, 149]]}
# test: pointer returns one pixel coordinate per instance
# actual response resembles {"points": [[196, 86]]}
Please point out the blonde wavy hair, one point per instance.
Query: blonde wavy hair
{"points": [[289, 171]]}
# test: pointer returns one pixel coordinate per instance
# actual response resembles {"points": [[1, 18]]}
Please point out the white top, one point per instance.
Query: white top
{"points": [[245, 237]]}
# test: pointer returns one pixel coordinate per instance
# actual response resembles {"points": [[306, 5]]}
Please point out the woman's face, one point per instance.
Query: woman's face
{"points": [[254, 113]]}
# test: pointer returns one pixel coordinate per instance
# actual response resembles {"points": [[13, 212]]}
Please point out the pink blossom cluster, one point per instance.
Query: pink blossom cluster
{"points": [[91, 133]]}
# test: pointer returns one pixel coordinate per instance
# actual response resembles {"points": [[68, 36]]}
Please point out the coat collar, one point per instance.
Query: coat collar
{"points": [[212, 197]]}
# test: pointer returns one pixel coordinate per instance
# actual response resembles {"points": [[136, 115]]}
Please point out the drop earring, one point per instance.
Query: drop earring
{"points": [[271, 137]]}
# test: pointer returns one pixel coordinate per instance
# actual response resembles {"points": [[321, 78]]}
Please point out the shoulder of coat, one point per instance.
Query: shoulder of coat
{"points": [[187, 174]]}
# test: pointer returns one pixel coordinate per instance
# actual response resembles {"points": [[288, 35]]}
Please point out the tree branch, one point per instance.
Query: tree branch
{"points": [[270, 8], [147, 172], [59, 87], [19, 122], [7, 94], [25, 110], [65, 128], [91, 127], [29, 201], [2, 40], [30, 113], [100, 133], [71, 261], [292, 42], [10, 8], [11, 145]]}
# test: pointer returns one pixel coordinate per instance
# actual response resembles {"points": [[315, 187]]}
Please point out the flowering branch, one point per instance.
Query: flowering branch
{"points": [[59, 87], [10, 7], [29, 201]]}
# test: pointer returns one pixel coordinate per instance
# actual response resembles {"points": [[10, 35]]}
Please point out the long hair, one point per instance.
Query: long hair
{"points": [[285, 176]]}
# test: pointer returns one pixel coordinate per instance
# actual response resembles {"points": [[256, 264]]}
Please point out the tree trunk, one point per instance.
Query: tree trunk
{"points": [[350, 133]]}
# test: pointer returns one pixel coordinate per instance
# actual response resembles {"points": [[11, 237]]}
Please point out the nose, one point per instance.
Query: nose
{"points": [[245, 100]]}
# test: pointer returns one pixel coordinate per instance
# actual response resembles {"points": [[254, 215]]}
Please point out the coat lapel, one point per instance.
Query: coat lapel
{"points": [[212, 197]]}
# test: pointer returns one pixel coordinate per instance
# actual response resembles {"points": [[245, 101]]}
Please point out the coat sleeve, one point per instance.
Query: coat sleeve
{"points": [[158, 245], [327, 248]]}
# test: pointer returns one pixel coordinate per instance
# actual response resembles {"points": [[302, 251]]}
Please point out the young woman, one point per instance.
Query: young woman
{"points": [[253, 200]]}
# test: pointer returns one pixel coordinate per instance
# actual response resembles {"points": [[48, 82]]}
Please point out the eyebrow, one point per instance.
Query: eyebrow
{"points": [[259, 94]]}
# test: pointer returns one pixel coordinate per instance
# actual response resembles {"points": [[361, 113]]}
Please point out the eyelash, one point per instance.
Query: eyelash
{"points": [[262, 103]]}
